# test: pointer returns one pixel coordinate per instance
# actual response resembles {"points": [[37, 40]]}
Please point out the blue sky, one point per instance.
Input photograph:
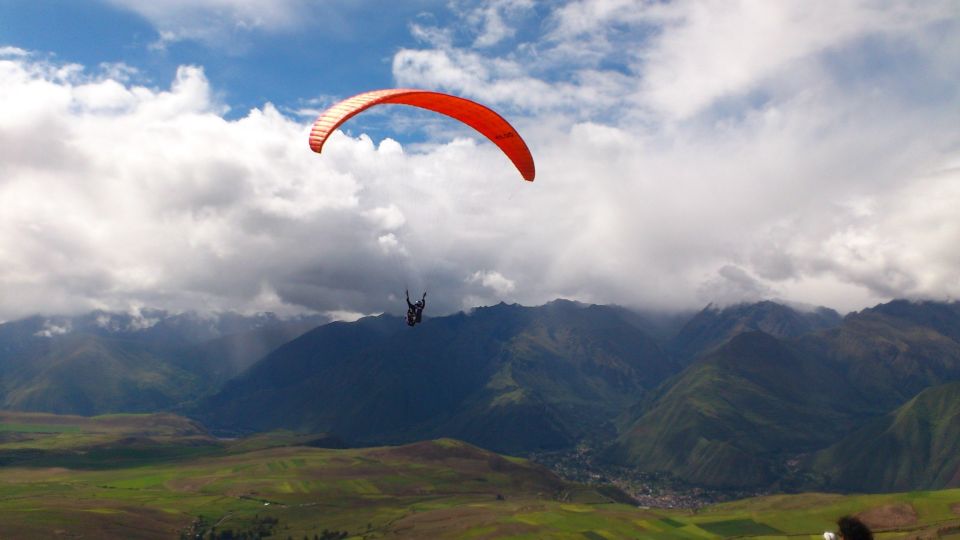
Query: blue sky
{"points": [[154, 154], [248, 66]]}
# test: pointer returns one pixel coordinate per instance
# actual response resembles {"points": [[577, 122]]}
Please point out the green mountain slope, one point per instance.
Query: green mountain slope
{"points": [[916, 446], [504, 377], [87, 375], [727, 420], [735, 416]]}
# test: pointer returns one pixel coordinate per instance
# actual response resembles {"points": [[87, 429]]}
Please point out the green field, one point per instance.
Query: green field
{"points": [[159, 476]]}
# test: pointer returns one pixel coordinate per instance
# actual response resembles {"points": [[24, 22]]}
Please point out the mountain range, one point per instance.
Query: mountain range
{"points": [[509, 378], [761, 395], [104, 362]]}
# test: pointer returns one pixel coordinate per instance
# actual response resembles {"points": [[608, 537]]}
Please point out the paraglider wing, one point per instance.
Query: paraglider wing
{"points": [[486, 121]]}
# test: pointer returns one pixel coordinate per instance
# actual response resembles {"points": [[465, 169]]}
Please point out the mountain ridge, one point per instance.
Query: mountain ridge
{"points": [[756, 389], [551, 366]]}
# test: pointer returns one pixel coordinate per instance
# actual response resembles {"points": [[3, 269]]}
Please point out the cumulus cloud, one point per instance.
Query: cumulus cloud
{"points": [[713, 148], [114, 193], [823, 173], [706, 50], [506, 82], [493, 280], [898, 243], [117, 195], [671, 58]]}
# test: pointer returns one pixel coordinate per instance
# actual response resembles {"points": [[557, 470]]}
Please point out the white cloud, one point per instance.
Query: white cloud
{"points": [[213, 20], [493, 18], [347, 316], [486, 23], [904, 245], [710, 49], [724, 138], [133, 321], [505, 82], [8, 51], [522, 78], [115, 194], [390, 244], [53, 328], [493, 280], [670, 59]]}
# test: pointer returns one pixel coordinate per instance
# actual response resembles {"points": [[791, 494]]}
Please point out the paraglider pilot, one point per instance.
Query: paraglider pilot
{"points": [[415, 311]]}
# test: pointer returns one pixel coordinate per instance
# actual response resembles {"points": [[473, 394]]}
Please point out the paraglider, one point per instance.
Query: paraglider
{"points": [[483, 119], [415, 310]]}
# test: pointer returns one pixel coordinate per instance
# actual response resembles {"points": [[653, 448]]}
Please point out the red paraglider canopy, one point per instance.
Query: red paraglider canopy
{"points": [[477, 116]]}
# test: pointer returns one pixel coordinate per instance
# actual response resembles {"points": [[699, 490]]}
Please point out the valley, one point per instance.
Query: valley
{"points": [[646, 489]]}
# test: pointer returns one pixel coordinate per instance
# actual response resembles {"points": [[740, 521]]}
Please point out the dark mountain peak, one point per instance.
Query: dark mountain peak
{"points": [[744, 309], [914, 308], [714, 325], [828, 313], [563, 303], [506, 376], [501, 306], [907, 305], [481, 311], [500, 316], [753, 308], [944, 317]]}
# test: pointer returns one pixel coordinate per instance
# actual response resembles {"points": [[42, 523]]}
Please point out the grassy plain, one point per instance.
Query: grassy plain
{"points": [[161, 476]]}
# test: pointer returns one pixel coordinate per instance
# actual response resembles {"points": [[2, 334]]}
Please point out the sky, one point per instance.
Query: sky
{"points": [[154, 154]]}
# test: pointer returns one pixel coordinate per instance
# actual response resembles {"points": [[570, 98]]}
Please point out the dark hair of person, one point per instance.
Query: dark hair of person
{"points": [[852, 528]]}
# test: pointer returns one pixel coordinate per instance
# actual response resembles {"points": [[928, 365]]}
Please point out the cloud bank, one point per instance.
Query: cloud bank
{"points": [[687, 152]]}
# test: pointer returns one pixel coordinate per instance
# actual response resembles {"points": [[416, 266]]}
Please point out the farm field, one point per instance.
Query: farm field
{"points": [[162, 476]]}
